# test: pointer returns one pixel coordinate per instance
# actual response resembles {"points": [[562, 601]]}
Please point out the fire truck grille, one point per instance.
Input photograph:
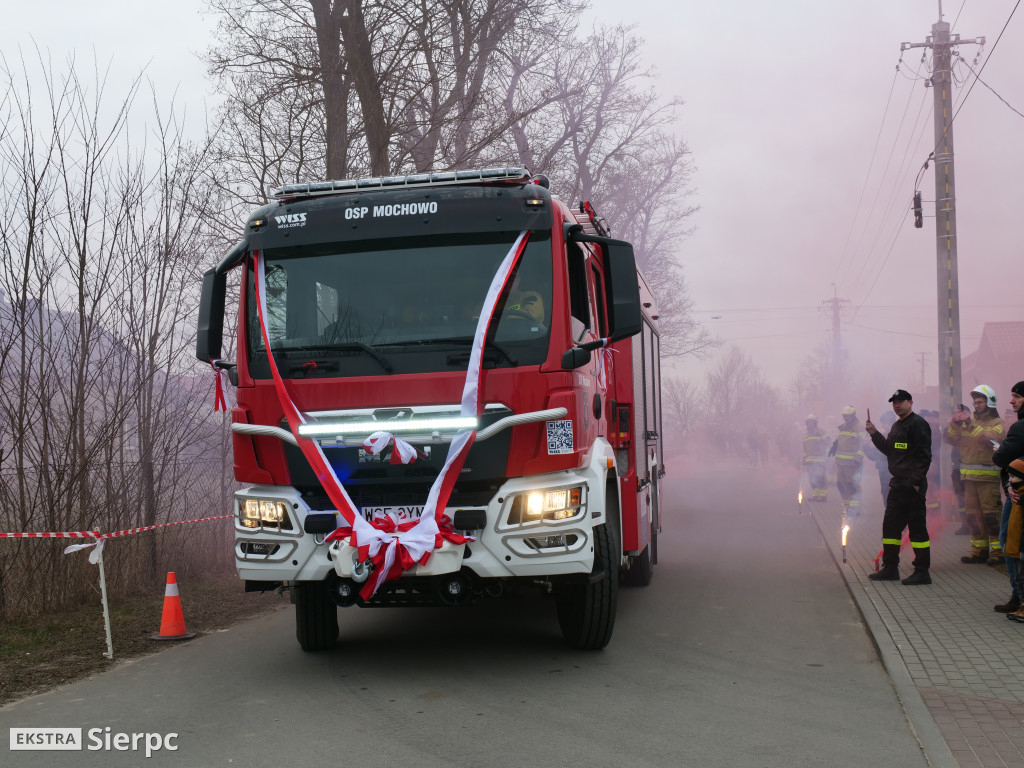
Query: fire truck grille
{"points": [[464, 495]]}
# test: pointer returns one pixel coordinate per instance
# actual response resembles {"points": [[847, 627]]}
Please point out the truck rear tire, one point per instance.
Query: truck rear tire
{"points": [[586, 612], [316, 616]]}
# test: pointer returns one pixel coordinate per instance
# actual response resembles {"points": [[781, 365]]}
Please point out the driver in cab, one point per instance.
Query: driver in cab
{"points": [[528, 303]]}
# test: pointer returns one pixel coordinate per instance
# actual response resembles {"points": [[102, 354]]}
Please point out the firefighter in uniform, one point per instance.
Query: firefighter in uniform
{"points": [[908, 448], [526, 303], [849, 453], [976, 435], [814, 458]]}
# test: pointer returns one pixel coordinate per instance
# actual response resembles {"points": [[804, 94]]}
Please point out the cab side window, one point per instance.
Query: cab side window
{"points": [[579, 304], [601, 324]]}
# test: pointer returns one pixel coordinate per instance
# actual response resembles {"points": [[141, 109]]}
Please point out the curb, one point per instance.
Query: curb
{"points": [[922, 724]]}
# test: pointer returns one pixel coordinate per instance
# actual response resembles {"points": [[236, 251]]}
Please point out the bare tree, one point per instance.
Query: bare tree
{"points": [[99, 427], [739, 398], [608, 137], [399, 86], [683, 411], [350, 87], [813, 378]]}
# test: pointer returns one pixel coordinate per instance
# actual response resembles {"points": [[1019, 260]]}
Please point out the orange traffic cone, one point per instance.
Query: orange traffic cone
{"points": [[172, 625]]}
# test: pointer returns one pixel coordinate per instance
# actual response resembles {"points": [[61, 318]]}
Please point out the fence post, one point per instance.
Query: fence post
{"points": [[106, 609]]}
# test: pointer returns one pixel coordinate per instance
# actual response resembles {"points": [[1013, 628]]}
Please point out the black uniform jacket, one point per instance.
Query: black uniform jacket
{"points": [[1012, 446], [909, 450]]}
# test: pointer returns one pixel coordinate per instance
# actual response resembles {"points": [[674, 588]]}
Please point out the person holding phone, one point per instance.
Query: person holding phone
{"points": [[908, 448]]}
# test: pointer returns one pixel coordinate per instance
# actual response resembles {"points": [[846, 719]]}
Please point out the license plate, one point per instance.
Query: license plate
{"points": [[398, 514]]}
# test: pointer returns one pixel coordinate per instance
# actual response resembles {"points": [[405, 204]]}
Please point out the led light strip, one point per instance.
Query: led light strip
{"points": [[363, 427], [443, 178]]}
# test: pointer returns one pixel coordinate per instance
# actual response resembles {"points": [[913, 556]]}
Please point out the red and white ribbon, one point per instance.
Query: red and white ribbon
{"points": [[389, 553], [604, 367], [94, 556], [219, 402], [404, 453]]}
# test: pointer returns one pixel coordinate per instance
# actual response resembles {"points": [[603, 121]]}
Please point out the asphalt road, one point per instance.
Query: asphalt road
{"points": [[746, 650]]}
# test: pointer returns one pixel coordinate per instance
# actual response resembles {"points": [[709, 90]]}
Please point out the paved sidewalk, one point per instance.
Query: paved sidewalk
{"points": [[957, 665]]}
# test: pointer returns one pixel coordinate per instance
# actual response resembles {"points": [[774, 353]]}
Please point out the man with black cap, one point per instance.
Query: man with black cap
{"points": [[908, 448], [1010, 450]]}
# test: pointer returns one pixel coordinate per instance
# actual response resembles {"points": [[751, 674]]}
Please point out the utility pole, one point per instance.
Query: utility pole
{"points": [[837, 349], [947, 282], [922, 355]]}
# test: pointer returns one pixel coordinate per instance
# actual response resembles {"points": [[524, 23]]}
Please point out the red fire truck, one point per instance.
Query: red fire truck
{"points": [[458, 348]]}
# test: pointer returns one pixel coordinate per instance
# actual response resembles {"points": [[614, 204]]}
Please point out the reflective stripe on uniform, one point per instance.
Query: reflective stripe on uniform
{"points": [[967, 474], [897, 542], [920, 544]]}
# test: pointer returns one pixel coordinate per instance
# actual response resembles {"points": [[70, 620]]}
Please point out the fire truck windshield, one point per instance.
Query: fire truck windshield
{"points": [[407, 305]]}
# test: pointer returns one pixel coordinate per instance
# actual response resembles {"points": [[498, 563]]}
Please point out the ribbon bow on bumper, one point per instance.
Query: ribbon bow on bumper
{"points": [[403, 453]]}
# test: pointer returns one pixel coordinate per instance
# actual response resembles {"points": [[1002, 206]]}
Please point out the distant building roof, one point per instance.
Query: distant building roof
{"points": [[998, 361]]}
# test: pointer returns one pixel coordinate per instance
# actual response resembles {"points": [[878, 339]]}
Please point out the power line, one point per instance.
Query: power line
{"points": [[867, 173], [756, 309], [977, 77], [985, 63], [775, 335], [875, 198]]}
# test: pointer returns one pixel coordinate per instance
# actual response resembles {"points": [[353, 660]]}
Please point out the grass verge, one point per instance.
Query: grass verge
{"points": [[38, 653]]}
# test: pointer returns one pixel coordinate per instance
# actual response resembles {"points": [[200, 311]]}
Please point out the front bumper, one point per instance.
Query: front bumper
{"points": [[504, 547]]}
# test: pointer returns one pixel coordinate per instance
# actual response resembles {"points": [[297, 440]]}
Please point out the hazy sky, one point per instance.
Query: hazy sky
{"points": [[804, 189]]}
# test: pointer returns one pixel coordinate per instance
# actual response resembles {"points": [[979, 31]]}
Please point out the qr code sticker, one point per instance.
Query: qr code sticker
{"points": [[559, 437]]}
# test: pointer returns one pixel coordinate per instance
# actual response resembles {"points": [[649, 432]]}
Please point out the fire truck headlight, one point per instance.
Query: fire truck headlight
{"points": [[270, 512], [534, 505], [264, 513], [558, 504], [250, 513]]}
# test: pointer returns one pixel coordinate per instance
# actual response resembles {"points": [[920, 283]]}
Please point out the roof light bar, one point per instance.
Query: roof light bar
{"points": [[403, 425], [412, 180]]}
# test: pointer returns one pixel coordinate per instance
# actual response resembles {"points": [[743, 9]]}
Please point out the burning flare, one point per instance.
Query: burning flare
{"points": [[846, 530], [800, 497]]}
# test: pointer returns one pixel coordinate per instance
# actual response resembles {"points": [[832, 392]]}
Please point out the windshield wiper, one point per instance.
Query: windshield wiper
{"points": [[455, 358], [344, 346], [460, 340]]}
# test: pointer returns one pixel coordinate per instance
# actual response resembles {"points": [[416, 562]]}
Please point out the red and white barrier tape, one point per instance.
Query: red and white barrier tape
{"points": [[130, 531], [51, 535], [99, 538]]}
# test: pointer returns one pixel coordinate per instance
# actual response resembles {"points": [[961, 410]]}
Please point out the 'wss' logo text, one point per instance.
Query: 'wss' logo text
{"points": [[290, 220]]}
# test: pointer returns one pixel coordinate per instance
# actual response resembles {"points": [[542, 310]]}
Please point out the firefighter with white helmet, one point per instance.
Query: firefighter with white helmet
{"points": [[815, 448], [848, 449], [976, 435]]}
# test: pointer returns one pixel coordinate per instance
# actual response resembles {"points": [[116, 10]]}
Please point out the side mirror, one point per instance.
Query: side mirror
{"points": [[622, 289], [575, 357], [210, 333], [621, 283]]}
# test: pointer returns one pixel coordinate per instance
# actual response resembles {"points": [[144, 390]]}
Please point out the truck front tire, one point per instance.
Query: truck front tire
{"points": [[316, 616], [586, 612]]}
